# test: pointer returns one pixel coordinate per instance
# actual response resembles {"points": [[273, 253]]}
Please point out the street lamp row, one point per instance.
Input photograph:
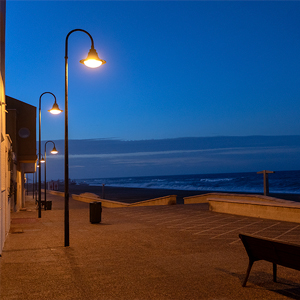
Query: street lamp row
{"points": [[54, 110], [92, 61], [53, 151], [43, 161]]}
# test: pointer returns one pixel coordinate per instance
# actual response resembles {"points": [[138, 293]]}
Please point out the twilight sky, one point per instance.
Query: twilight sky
{"points": [[100, 158], [174, 68]]}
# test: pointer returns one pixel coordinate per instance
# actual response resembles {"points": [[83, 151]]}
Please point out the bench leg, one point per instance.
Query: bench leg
{"points": [[248, 272], [274, 272]]}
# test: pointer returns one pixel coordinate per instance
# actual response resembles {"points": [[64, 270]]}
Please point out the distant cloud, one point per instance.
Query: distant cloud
{"points": [[77, 166], [135, 154], [177, 156], [223, 151]]}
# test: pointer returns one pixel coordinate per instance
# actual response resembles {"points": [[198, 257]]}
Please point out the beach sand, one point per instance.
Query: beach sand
{"points": [[131, 195]]}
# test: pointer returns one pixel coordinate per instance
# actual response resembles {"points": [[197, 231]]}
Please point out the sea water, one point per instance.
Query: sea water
{"points": [[251, 182]]}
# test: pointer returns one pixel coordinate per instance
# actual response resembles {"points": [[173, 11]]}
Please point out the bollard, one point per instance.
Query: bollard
{"points": [[95, 212], [103, 191]]}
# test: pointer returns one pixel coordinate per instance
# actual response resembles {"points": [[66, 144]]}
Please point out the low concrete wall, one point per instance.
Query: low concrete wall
{"points": [[89, 197], [288, 211], [244, 197], [167, 200], [62, 194]]}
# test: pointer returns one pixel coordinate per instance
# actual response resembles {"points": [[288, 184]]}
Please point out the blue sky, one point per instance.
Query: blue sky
{"points": [[174, 68]]}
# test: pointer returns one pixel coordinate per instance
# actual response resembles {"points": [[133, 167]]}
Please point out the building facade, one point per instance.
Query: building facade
{"points": [[4, 202], [18, 144], [21, 129]]}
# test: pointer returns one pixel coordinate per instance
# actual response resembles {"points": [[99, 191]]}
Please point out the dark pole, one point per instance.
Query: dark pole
{"points": [[67, 226], [45, 179], [40, 193], [67, 229], [103, 191], [45, 169], [27, 180], [33, 185]]}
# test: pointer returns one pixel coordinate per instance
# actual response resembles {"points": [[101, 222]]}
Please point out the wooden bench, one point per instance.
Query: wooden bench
{"points": [[276, 252]]}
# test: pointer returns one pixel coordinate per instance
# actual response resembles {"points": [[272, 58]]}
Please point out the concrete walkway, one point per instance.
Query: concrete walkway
{"points": [[158, 252]]}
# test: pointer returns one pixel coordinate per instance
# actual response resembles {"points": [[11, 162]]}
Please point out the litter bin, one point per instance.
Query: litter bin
{"points": [[48, 205], [95, 212]]}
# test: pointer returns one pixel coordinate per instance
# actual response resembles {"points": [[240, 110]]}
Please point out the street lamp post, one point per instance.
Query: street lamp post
{"points": [[27, 182], [35, 186], [92, 61], [53, 151], [54, 110], [39, 166]]}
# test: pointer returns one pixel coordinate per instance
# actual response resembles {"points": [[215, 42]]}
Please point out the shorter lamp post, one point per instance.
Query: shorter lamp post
{"points": [[27, 182], [36, 190], [53, 151], [39, 166], [33, 183], [54, 110]]}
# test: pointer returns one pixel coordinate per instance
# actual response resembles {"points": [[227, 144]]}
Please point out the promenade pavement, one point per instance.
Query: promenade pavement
{"points": [[158, 252]]}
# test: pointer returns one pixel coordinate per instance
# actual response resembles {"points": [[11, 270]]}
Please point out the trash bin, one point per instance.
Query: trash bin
{"points": [[95, 212], [48, 205]]}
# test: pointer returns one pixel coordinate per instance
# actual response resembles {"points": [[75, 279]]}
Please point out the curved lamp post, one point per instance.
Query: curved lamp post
{"points": [[38, 166], [54, 110], [92, 61], [53, 151]]}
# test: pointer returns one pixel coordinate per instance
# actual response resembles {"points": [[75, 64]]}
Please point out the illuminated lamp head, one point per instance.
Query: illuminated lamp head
{"points": [[93, 60], [55, 109], [54, 151]]}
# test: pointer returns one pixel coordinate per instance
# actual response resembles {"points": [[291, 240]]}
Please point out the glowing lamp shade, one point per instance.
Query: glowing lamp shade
{"points": [[54, 151], [55, 109], [93, 60], [42, 160]]}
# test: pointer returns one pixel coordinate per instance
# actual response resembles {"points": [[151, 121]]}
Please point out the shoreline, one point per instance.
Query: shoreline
{"points": [[131, 195]]}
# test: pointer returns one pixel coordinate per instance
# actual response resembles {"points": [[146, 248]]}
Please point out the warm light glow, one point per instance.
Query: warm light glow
{"points": [[55, 109], [54, 151], [93, 60], [42, 160], [93, 63]]}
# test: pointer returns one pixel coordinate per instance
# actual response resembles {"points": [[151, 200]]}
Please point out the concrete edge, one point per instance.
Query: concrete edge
{"points": [[203, 198], [273, 211], [89, 197], [57, 193], [166, 200], [287, 204]]}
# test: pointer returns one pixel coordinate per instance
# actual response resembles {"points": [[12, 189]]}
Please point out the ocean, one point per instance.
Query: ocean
{"points": [[249, 182]]}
